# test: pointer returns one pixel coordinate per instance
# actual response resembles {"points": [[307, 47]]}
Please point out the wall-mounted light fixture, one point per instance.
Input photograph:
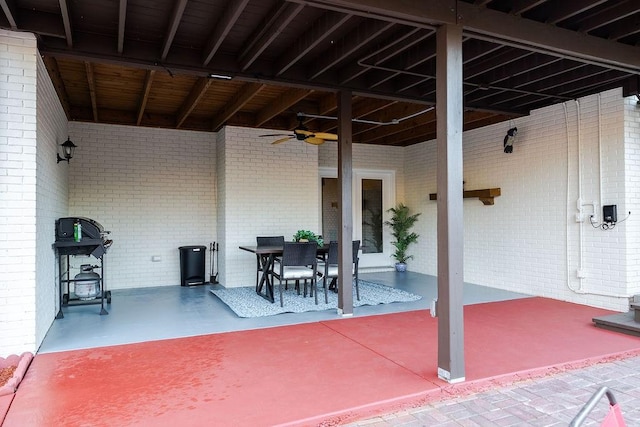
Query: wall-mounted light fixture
{"points": [[509, 139], [68, 148]]}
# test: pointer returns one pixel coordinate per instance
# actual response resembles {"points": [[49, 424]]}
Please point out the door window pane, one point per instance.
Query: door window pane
{"points": [[371, 216]]}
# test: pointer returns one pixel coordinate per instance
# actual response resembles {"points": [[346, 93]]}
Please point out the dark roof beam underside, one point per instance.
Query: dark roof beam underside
{"points": [[396, 44], [66, 22], [494, 25], [318, 32], [418, 54], [537, 84], [526, 64], [361, 109], [275, 22], [122, 17], [225, 23], [174, 23], [518, 7], [567, 9], [42, 24], [9, 9], [380, 132], [610, 15], [348, 45], [625, 27]]}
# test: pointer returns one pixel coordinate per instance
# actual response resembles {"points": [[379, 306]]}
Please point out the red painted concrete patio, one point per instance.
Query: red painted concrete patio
{"points": [[319, 373]]}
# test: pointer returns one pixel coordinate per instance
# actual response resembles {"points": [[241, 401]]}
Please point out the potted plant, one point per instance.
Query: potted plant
{"points": [[307, 236], [401, 222]]}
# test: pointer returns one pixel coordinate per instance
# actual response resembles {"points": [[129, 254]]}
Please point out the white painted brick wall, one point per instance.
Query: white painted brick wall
{"points": [[17, 192], [154, 189], [51, 198], [632, 190], [521, 242], [267, 190]]}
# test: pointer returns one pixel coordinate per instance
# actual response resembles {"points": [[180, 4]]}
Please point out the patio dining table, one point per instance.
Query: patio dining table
{"points": [[267, 256]]}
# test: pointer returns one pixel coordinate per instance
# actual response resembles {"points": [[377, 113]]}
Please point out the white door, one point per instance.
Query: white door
{"points": [[373, 195]]}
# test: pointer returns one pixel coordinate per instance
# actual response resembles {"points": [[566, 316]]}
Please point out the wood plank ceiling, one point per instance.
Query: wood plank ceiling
{"points": [[152, 62]]}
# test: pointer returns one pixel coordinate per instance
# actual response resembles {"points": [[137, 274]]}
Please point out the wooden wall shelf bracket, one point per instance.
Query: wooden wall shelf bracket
{"points": [[485, 196]]}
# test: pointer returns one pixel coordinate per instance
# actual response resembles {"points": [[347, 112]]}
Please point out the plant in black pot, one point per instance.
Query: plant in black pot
{"points": [[307, 236], [401, 222]]}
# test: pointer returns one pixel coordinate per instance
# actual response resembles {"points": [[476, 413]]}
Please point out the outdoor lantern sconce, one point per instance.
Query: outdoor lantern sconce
{"points": [[68, 148], [509, 139]]}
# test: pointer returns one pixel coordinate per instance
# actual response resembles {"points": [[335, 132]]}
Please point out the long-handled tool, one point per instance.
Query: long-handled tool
{"points": [[213, 278]]}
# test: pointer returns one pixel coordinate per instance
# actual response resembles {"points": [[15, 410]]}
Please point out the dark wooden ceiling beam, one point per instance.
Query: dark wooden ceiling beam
{"points": [[473, 50], [244, 95], [282, 103], [198, 91], [145, 95], [43, 24], [9, 9], [548, 38], [611, 15], [421, 53], [625, 28], [381, 132], [585, 83], [395, 45], [567, 9], [495, 25], [348, 45], [122, 17], [278, 19], [319, 31], [518, 7], [361, 109], [500, 60], [225, 23], [66, 21], [174, 23], [92, 90], [58, 84], [424, 14]]}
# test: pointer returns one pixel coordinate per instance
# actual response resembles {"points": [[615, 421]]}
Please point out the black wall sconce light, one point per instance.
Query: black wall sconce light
{"points": [[509, 139], [68, 148]]}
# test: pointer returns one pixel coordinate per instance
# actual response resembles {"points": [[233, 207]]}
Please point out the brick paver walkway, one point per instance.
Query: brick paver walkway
{"points": [[552, 400]]}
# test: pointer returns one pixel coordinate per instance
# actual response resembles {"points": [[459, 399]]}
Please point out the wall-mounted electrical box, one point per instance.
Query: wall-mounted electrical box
{"points": [[610, 214]]}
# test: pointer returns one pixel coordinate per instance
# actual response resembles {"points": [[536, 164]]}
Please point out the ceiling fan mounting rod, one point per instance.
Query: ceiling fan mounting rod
{"points": [[370, 122]]}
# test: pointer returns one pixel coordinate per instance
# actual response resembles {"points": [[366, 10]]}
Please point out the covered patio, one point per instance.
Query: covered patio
{"points": [[183, 358], [168, 103]]}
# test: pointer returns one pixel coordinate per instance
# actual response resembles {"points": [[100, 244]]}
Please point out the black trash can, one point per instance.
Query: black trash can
{"points": [[192, 265]]}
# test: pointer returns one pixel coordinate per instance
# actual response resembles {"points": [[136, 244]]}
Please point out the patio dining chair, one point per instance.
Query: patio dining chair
{"points": [[329, 269], [299, 263], [261, 260]]}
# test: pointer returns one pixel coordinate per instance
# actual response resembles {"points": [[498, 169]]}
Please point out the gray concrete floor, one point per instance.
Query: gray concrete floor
{"points": [[147, 314]]}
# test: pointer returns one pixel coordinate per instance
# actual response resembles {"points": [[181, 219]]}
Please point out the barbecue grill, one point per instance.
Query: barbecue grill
{"points": [[92, 241]]}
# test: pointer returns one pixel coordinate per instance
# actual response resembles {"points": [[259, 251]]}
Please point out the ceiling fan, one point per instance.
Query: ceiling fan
{"points": [[301, 133]]}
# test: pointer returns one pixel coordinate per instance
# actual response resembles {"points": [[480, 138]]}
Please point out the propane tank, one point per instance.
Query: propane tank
{"points": [[87, 285]]}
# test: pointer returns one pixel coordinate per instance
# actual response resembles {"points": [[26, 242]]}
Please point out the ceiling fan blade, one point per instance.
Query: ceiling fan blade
{"points": [[326, 136], [313, 140], [302, 132], [275, 134], [281, 140]]}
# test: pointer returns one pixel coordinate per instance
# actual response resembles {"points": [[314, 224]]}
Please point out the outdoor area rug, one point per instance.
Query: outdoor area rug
{"points": [[245, 302]]}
